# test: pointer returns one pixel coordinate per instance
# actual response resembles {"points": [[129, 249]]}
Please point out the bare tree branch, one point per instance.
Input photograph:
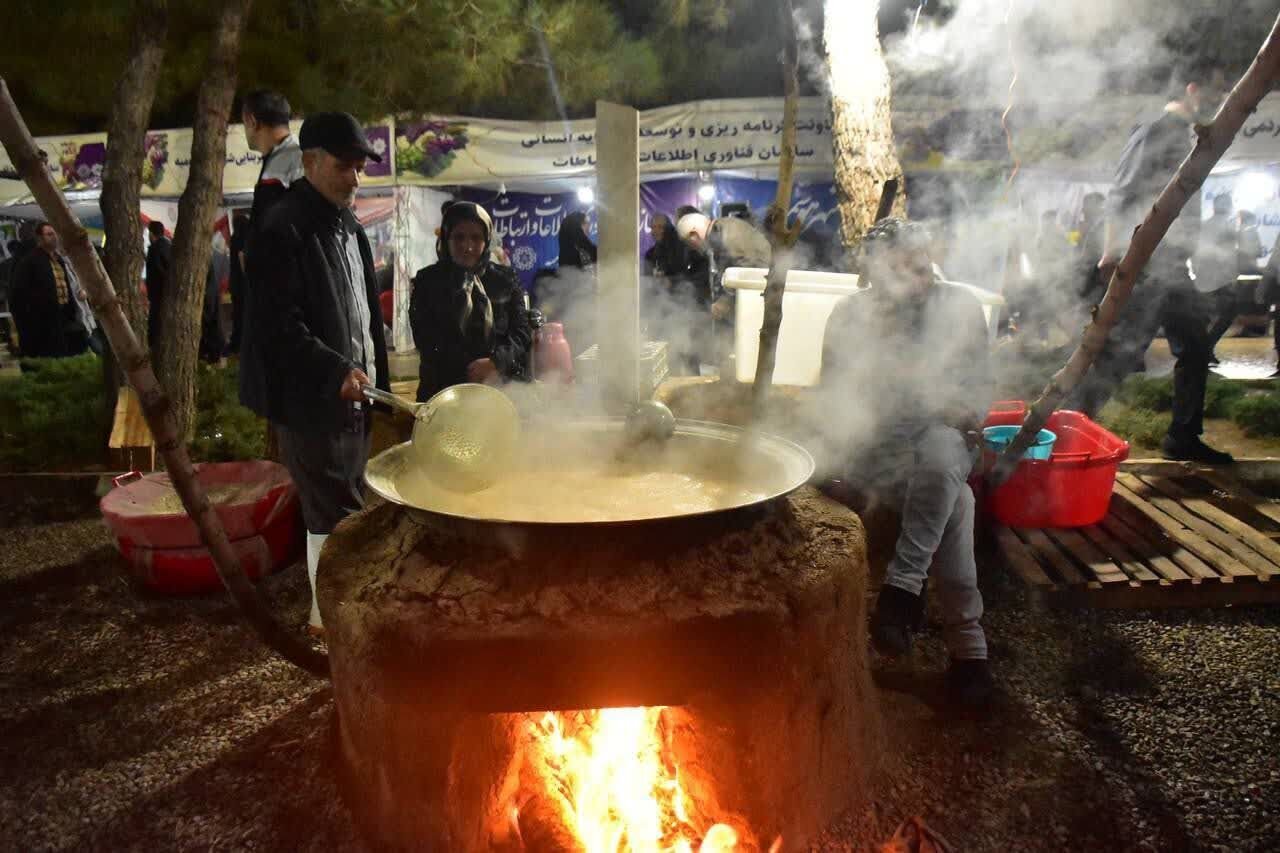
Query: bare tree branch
{"points": [[782, 236], [133, 358], [179, 341], [1211, 143], [122, 178]]}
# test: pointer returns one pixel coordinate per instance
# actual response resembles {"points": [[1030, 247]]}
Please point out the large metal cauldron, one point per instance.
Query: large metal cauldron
{"points": [[561, 460]]}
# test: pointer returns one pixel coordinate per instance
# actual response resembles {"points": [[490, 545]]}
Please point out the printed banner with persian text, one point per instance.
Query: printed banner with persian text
{"points": [[704, 135]]}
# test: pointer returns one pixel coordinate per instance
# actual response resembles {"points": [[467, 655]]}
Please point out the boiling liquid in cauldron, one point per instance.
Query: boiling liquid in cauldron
{"points": [[586, 477]]}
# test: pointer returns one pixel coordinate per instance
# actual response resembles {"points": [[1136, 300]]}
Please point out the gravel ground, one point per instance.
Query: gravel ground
{"points": [[131, 722]]}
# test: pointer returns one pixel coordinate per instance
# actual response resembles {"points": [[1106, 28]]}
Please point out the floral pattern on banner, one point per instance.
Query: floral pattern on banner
{"points": [[430, 147], [77, 166], [157, 156], [379, 137]]}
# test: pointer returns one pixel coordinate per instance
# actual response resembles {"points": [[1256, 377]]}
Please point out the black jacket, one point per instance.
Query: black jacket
{"points": [[444, 350], [299, 311], [159, 263], [45, 328]]}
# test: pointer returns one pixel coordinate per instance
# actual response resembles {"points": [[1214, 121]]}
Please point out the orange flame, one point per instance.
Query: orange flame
{"points": [[624, 797]]}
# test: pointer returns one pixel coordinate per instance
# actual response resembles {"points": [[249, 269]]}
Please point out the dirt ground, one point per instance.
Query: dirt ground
{"points": [[134, 722]]}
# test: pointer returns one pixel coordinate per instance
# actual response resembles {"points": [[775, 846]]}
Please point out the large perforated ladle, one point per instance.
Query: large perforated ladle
{"points": [[464, 437]]}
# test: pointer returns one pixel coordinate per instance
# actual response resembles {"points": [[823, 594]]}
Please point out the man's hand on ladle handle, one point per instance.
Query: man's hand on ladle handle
{"points": [[351, 386]]}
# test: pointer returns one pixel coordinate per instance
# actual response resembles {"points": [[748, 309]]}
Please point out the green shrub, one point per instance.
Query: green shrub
{"points": [[225, 431], [1143, 392], [1221, 397], [1156, 395], [1258, 414], [54, 415], [1141, 427]]}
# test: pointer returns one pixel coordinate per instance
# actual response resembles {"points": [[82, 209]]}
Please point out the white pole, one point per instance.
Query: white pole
{"points": [[618, 267]]}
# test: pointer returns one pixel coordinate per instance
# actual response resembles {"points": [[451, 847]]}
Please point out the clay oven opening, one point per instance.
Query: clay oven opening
{"points": [[691, 684], [610, 779]]}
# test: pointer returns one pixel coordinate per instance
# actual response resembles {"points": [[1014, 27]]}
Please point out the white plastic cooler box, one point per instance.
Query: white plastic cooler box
{"points": [[806, 306]]}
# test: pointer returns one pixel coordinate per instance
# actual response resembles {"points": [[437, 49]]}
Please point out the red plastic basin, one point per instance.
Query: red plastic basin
{"points": [[1070, 489], [258, 506]]}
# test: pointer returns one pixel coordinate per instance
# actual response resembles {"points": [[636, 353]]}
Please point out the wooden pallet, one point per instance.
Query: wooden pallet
{"points": [[1175, 536]]}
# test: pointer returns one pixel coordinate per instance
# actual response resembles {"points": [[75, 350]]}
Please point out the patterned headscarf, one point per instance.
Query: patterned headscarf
{"points": [[475, 310]]}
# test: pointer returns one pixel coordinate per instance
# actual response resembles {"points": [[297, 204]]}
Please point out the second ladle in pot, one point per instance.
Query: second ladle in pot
{"points": [[464, 437]]}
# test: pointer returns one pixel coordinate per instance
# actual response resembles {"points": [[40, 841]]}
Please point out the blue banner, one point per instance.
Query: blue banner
{"points": [[528, 224]]}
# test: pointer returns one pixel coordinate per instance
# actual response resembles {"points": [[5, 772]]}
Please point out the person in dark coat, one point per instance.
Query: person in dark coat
{"points": [[570, 296], [7, 268], [576, 248], [44, 303], [666, 257], [670, 302], [1093, 222], [266, 128], [1164, 295], [467, 313], [236, 283], [212, 342], [159, 263], [314, 312]]}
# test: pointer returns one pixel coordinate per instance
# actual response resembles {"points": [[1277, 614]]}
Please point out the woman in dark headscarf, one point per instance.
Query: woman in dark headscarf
{"points": [[467, 314], [664, 271], [666, 257], [576, 248], [569, 295]]}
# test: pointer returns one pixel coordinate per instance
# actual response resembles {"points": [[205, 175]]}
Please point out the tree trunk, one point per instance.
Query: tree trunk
{"points": [[862, 130], [192, 240], [782, 236], [1212, 142], [132, 354], [122, 175]]}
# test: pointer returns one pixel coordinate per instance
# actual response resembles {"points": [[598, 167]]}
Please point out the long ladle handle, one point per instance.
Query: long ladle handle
{"points": [[379, 396]]}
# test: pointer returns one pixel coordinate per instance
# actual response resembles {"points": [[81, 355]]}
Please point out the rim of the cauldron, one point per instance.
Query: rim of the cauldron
{"points": [[797, 476]]}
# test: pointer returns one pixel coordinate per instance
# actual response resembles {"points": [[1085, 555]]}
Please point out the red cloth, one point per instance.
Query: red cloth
{"points": [[388, 302]]}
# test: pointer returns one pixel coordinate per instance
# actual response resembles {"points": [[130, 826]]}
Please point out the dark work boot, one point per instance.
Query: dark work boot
{"points": [[922, 607], [969, 683], [896, 615], [1194, 450]]}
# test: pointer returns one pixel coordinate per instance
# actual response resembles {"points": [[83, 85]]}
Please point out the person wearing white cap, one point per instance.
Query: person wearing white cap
{"points": [[726, 242]]}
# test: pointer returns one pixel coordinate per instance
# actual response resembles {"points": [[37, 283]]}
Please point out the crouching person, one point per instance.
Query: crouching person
{"points": [[906, 379], [312, 292]]}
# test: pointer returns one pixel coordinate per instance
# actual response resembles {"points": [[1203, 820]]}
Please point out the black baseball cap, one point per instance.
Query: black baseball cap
{"points": [[338, 133]]}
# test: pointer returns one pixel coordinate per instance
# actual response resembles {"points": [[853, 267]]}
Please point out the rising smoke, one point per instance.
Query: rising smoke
{"points": [[1086, 72]]}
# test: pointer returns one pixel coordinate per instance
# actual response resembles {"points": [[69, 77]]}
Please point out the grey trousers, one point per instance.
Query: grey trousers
{"points": [[924, 471], [328, 469]]}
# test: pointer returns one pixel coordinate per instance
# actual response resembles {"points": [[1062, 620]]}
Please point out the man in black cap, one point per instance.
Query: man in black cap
{"points": [[313, 300]]}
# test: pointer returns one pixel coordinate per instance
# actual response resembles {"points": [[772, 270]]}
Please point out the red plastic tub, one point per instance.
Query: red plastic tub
{"points": [[256, 501], [1070, 489]]}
